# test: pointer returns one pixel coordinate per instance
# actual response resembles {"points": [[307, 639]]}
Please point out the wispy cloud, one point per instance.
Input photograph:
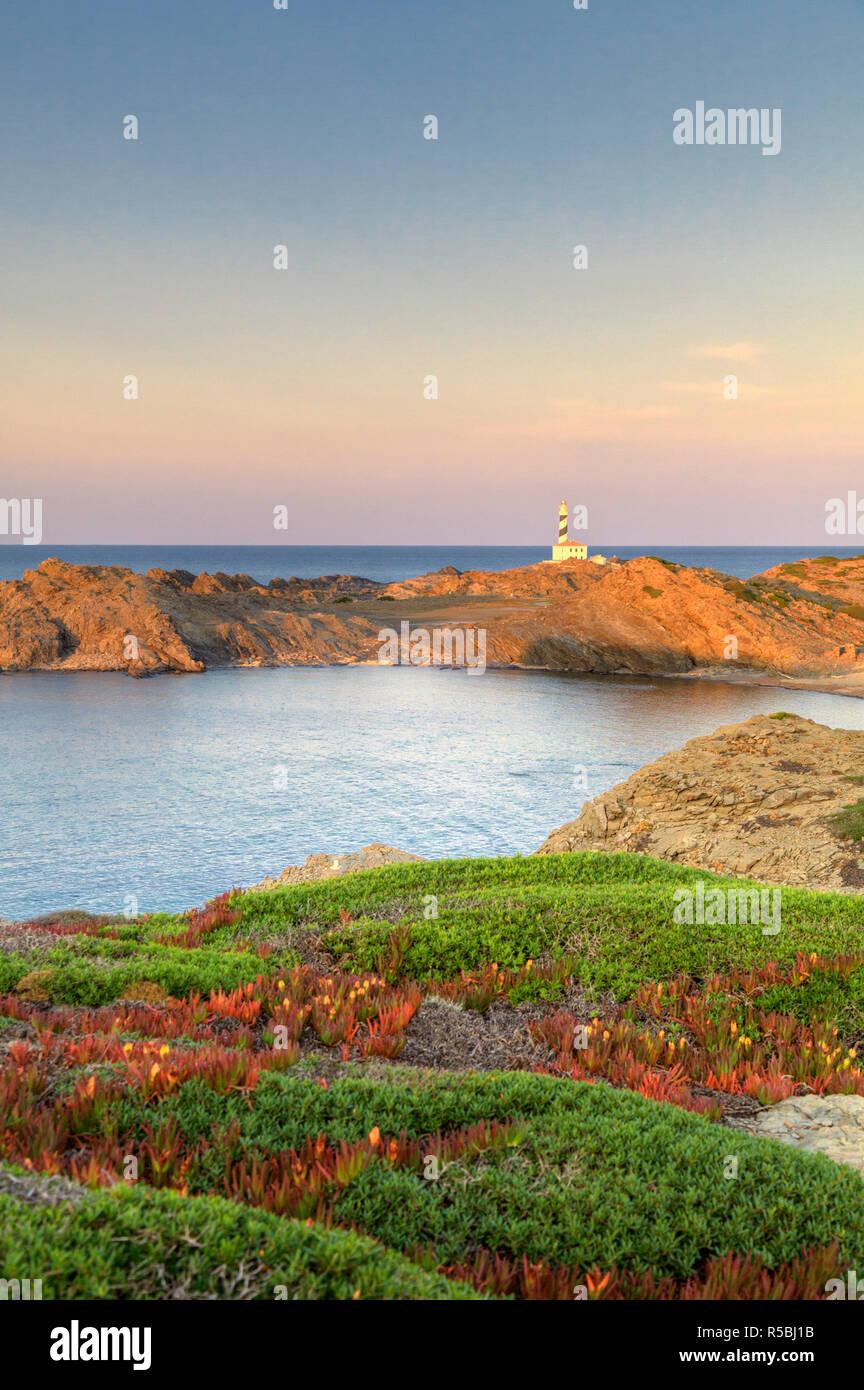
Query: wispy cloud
{"points": [[730, 352]]}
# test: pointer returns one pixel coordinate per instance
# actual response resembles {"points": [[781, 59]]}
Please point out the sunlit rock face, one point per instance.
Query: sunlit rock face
{"points": [[802, 622], [767, 799]]}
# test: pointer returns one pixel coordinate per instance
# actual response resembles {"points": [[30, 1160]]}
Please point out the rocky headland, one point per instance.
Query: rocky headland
{"points": [[800, 624], [768, 798]]}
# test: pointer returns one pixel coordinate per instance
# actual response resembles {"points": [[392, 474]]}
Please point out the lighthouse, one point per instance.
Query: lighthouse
{"points": [[566, 550]]}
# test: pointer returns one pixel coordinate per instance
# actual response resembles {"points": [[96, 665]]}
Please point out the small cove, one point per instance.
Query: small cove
{"points": [[171, 790]]}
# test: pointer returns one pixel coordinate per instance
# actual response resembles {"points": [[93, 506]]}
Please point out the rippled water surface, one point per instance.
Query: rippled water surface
{"points": [[173, 789]]}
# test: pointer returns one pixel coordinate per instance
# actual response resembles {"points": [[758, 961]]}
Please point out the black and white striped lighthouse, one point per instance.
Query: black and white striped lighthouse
{"points": [[567, 550]]}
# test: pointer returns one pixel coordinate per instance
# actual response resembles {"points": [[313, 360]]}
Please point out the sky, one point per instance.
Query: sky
{"points": [[306, 388]]}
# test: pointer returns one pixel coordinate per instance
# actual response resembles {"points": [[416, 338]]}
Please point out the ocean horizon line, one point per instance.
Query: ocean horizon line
{"points": [[383, 563]]}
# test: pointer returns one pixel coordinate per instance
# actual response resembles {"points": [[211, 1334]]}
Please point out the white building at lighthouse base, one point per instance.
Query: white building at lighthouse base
{"points": [[569, 551]]}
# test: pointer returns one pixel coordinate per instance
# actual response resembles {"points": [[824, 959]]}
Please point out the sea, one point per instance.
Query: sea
{"points": [[382, 562], [122, 795]]}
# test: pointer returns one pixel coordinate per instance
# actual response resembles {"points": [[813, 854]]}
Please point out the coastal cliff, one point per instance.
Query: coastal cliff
{"points": [[774, 798], [797, 624]]}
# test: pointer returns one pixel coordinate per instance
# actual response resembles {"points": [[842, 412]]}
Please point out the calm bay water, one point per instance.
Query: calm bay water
{"points": [[382, 562], [173, 789]]}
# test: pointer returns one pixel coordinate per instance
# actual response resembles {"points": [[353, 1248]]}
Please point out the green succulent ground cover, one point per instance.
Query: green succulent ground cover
{"points": [[598, 1176], [137, 1243], [594, 1176], [92, 971], [613, 912]]}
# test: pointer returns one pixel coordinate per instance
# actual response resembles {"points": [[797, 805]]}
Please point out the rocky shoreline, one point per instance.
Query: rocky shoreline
{"points": [[800, 625], [765, 798]]}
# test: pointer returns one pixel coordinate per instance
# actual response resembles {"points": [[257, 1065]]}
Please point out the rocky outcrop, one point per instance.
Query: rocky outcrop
{"points": [[646, 616], [755, 799], [104, 618], [321, 866], [830, 1125]]}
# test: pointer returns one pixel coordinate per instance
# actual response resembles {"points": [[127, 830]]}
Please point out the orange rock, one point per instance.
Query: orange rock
{"points": [[802, 623]]}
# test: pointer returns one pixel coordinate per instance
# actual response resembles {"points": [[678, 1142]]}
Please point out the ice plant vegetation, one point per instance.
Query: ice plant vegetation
{"points": [[271, 1059]]}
